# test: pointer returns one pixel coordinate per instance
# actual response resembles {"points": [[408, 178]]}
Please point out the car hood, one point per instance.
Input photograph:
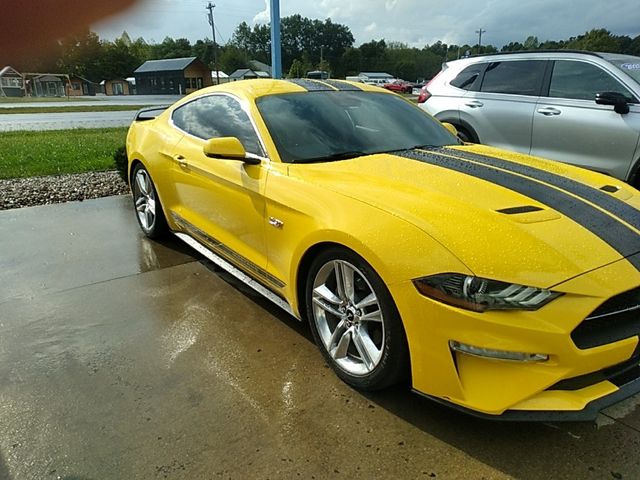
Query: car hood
{"points": [[504, 215]]}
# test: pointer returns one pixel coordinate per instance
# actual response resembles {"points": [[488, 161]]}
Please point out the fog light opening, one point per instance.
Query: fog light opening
{"points": [[497, 354]]}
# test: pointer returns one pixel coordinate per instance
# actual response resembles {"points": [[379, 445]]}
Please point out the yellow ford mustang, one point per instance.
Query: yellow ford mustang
{"points": [[501, 284]]}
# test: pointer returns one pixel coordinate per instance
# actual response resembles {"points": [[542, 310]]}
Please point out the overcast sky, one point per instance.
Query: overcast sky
{"points": [[415, 22]]}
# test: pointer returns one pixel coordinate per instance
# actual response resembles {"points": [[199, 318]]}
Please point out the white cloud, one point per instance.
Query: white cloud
{"points": [[415, 22], [264, 16]]}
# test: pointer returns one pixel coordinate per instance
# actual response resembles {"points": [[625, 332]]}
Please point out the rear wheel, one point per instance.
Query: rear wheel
{"points": [[148, 208], [355, 322], [465, 135]]}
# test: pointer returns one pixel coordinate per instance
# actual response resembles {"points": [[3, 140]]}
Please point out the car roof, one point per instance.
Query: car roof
{"points": [[530, 54], [256, 88]]}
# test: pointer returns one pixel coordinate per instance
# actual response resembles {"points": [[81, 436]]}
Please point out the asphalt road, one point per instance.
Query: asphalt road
{"points": [[65, 120], [100, 100], [124, 358], [68, 120]]}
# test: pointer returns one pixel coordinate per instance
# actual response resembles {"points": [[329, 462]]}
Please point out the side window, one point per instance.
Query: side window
{"points": [[580, 80], [518, 77], [468, 79], [217, 116]]}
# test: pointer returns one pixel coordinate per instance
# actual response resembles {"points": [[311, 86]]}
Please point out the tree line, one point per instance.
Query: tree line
{"points": [[307, 44]]}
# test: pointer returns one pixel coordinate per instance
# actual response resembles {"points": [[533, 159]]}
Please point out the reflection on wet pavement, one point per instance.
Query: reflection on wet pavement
{"points": [[125, 358]]}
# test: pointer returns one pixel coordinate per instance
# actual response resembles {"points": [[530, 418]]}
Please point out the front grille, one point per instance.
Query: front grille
{"points": [[615, 319]]}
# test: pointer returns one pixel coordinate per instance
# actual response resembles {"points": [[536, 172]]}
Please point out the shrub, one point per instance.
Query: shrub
{"points": [[121, 162]]}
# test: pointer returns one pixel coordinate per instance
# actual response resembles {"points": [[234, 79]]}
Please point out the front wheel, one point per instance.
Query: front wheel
{"points": [[147, 204], [354, 321]]}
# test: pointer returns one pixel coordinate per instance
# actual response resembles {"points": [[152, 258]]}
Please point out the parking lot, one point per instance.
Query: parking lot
{"points": [[124, 358]]}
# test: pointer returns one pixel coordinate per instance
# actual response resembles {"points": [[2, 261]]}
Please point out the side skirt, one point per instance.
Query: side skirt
{"points": [[239, 274]]}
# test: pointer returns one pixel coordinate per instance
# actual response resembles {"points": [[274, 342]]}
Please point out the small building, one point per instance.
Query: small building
{"points": [[377, 78], [11, 83], [45, 84], [132, 85], [247, 74], [117, 86], [172, 76], [224, 78], [258, 66], [80, 86]]}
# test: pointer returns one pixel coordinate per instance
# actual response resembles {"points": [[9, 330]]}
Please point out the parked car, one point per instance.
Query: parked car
{"points": [[498, 283], [573, 106], [379, 82], [399, 86]]}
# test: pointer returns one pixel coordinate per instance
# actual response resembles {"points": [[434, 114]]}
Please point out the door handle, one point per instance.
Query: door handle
{"points": [[548, 111], [474, 104], [181, 161]]}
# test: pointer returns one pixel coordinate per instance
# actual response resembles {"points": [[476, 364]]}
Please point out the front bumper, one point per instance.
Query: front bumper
{"points": [[574, 384], [623, 381]]}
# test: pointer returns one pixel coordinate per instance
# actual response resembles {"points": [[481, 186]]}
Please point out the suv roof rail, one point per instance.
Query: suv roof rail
{"points": [[546, 50]]}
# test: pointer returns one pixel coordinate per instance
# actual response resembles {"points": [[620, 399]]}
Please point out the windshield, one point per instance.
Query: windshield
{"points": [[324, 126], [627, 63]]}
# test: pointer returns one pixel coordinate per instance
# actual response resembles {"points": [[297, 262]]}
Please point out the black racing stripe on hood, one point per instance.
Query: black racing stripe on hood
{"points": [[616, 207], [342, 85], [312, 85], [616, 234]]}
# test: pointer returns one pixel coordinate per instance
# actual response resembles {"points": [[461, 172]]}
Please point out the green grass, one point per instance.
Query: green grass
{"points": [[44, 99], [70, 108], [28, 154]]}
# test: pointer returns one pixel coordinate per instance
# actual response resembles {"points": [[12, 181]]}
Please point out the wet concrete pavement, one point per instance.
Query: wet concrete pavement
{"points": [[126, 358]]}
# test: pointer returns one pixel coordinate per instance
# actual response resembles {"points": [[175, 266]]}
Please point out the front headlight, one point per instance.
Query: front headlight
{"points": [[481, 294]]}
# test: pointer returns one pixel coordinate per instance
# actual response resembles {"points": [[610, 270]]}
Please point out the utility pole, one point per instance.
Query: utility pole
{"points": [[480, 32], [210, 7], [276, 59]]}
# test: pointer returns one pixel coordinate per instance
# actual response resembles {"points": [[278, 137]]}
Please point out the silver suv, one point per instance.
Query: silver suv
{"points": [[573, 106]]}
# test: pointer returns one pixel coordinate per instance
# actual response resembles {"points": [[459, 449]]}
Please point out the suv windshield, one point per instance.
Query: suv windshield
{"points": [[627, 63], [325, 126]]}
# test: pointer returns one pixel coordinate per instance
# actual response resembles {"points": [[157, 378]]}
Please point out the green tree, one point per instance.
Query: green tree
{"points": [[170, 48], [596, 40], [232, 58], [80, 54], [531, 43]]}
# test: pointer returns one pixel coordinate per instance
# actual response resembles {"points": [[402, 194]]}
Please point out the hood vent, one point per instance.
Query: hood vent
{"points": [[517, 210]]}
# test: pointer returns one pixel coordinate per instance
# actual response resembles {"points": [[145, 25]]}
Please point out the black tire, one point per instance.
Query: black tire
{"points": [[466, 136], [146, 203], [386, 358]]}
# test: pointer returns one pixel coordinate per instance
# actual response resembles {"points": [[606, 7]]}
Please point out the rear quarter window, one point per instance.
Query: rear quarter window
{"points": [[469, 78], [517, 77]]}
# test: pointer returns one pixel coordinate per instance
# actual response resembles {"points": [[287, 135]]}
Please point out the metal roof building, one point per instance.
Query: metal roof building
{"points": [[172, 76]]}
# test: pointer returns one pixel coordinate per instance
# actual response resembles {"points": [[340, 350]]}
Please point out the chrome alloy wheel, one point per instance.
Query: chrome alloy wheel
{"points": [[348, 317], [145, 199]]}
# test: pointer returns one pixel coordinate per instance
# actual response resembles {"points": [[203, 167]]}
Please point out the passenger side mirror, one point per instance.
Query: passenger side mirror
{"points": [[228, 148], [619, 101]]}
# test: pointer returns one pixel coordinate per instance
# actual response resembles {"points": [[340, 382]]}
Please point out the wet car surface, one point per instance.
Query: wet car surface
{"points": [[122, 357]]}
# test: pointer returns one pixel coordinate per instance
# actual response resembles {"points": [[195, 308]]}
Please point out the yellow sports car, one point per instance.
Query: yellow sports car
{"points": [[501, 284]]}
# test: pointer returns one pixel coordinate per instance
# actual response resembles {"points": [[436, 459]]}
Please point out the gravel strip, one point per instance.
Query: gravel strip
{"points": [[28, 192]]}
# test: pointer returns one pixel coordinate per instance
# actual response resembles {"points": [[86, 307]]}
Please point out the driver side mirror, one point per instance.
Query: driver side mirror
{"points": [[228, 148], [619, 101]]}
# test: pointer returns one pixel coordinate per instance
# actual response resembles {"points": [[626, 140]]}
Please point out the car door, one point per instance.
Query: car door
{"points": [[220, 202], [501, 112], [570, 127]]}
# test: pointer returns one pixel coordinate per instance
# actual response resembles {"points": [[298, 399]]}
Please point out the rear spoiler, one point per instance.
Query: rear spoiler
{"points": [[149, 113]]}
